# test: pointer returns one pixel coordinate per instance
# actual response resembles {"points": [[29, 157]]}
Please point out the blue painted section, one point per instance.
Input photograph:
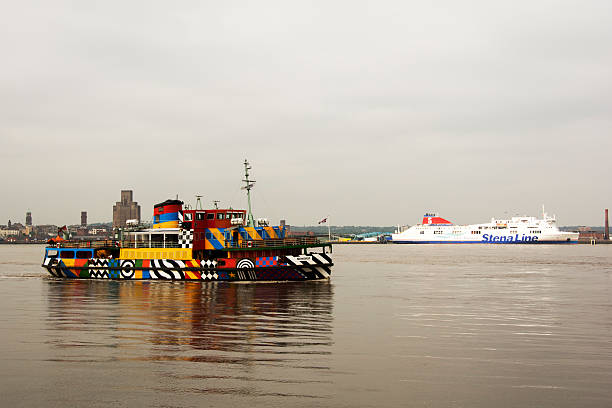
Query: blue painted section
{"points": [[167, 217], [67, 272], [214, 241]]}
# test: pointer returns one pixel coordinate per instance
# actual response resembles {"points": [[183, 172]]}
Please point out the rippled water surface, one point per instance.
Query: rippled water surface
{"points": [[398, 325]]}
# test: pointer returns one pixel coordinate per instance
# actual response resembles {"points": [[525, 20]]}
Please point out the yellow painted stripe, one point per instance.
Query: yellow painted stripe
{"points": [[68, 262], [253, 234], [190, 275], [167, 224], [156, 253], [271, 232], [218, 235]]}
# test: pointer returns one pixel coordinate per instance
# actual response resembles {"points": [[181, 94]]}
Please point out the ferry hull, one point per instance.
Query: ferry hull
{"points": [[289, 268], [517, 230]]}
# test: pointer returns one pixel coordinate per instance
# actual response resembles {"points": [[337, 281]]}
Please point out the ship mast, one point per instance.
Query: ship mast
{"points": [[248, 186]]}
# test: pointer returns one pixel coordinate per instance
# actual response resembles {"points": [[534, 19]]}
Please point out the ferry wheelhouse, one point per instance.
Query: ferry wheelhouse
{"points": [[517, 230], [184, 243]]}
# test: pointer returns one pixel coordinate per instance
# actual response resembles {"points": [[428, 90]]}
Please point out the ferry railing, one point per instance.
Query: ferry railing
{"points": [[147, 244], [87, 244], [116, 244], [274, 243]]}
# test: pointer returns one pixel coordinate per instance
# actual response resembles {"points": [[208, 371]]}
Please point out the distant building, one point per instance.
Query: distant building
{"points": [[28, 219], [126, 209], [287, 228], [587, 235], [8, 232], [300, 233], [83, 218]]}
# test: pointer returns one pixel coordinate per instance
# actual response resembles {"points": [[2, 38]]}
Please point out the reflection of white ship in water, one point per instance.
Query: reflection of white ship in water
{"points": [[517, 230]]}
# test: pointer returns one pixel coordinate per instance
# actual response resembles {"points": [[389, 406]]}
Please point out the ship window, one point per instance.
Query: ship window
{"points": [[67, 254], [83, 254], [422, 232], [187, 225], [161, 210], [156, 219], [210, 216], [220, 216], [199, 216], [52, 253], [437, 232], [188, 216]]}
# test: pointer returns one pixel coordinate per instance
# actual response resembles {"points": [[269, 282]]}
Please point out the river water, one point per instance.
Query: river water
{"points": [[397, 326]]}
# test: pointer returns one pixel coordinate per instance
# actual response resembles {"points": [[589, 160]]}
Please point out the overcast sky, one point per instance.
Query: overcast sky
{"points": [[370, 112]]}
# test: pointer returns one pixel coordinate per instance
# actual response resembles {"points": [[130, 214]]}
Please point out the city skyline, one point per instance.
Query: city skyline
{"points": [[367, 114]]}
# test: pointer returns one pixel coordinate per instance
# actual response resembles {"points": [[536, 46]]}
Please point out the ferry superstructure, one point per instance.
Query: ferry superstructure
{"points": [[218, 244], [516, 230]]}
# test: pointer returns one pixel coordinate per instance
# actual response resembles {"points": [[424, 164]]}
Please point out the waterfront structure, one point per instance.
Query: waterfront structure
{"points": [[126, 209], [185, 243], [517, 230], [9, 233], [28, 219]]}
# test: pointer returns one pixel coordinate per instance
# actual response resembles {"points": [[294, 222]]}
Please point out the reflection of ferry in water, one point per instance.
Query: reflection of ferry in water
{"points": [[195, 244], [240, 319], [517, 230]]}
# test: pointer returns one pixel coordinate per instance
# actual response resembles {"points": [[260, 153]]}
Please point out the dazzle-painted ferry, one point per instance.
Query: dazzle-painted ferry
{"points": [[195, 244], [517, 230]]}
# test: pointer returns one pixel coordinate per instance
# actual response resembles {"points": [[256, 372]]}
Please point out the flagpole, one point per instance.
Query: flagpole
{"points": [[328, 229]]}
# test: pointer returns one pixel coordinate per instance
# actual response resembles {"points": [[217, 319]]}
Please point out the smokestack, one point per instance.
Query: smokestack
{"points": [[607, 227]]}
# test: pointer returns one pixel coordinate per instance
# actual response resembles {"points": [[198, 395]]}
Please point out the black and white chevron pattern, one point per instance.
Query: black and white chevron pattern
{"points": [[167, 269], [317, 264]]}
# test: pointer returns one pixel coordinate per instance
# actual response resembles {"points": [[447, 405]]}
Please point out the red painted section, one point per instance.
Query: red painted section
{"points": [[167, 209], [436, 220], [226, 263], [199, 220]]}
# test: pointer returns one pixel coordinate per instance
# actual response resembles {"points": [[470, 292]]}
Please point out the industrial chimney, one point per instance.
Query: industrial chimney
{"points": [[606, 227]]}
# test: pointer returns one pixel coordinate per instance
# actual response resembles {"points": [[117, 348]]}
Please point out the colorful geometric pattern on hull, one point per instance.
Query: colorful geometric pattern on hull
{"points": [[293, 268]]}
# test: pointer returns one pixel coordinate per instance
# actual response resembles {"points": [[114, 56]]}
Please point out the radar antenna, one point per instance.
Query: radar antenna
{"points": [[248, 186]]}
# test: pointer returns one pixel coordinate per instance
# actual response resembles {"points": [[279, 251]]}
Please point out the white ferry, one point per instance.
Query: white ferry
{"points": [[517, 230]]}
